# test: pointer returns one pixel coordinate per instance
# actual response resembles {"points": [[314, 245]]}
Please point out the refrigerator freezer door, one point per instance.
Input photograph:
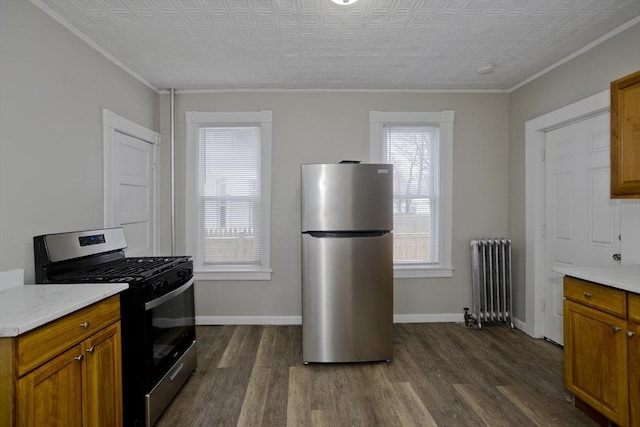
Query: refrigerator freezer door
{"points": [[347, 197], [347, 299]]}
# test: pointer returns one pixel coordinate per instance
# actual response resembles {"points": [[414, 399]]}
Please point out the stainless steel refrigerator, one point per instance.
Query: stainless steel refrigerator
{"points": [[347, 262]]}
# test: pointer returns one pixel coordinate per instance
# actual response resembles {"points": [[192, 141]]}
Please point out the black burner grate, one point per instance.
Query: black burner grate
{"points": [[123, 270]]}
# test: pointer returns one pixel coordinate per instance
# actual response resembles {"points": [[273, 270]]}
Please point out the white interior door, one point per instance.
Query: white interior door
{"points": [[130, 183], [134, 179], [582, 224]]}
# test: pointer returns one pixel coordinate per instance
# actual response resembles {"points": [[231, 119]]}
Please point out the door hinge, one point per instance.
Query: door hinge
{"points": [[154, 165], [543, 155], [544, 305], [544, 230]]}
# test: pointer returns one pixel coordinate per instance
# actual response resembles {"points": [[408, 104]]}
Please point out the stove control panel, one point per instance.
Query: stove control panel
{"points": [[159, 287], [185, 273]]}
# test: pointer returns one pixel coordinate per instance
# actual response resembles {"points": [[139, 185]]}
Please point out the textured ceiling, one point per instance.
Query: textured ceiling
{"points": [[316, 44]]}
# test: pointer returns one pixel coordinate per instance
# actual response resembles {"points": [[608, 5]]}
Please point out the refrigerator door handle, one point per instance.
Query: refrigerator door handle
{"points": [[346, 234]]}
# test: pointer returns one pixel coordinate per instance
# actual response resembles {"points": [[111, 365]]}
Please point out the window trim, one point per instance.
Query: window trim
{"points": [[444, 120], [194, 121]]}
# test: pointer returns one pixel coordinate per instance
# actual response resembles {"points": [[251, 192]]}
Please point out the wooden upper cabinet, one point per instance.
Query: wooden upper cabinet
{"points": [[625, 137]]}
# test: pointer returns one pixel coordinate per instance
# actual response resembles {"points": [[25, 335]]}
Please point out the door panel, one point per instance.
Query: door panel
{"points": [[597, 373], [130, 178], [135, 193], [634, 371], [347, 197], [103, 373], [582, 223], [347, 298], [51, 395]]}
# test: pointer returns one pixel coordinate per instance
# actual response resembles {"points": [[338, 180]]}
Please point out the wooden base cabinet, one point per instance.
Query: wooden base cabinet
{"points": [[52, 394], [633, 334], [596, 360], [102, 390], [79, 381], [601, 351]]}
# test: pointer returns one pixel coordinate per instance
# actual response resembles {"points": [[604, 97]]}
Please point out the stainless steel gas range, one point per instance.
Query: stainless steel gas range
{"points": [[157, 311]]}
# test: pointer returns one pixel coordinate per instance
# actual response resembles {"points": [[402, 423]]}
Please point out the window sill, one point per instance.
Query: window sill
{"points": [[232, 275], [405, 272]]}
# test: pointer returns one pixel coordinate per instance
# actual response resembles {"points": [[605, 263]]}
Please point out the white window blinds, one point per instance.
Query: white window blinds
{"points": [[413, 151], [230, 195]]}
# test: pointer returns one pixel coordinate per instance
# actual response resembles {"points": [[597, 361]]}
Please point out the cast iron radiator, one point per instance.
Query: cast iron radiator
{"points": [[491, 281]]}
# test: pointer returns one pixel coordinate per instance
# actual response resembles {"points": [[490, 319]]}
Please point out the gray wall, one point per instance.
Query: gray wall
{"points": [[330, 126], [53, 87], [583, 76]]}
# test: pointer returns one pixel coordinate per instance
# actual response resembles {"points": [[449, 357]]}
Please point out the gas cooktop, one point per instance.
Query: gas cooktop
{"points": [[122, 270]]}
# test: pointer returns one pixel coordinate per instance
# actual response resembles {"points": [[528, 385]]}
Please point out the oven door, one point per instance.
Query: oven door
{"points": [[170, 329]]}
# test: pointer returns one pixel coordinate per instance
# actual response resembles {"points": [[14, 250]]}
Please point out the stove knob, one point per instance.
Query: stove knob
{"points": [[183, 274], [157, 286]]}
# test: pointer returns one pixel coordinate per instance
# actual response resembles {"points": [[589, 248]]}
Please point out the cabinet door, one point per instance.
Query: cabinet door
{"points": [[51, 395], [625, 137], [347, 298], [595, 355], [102, 394], [634, 372]]}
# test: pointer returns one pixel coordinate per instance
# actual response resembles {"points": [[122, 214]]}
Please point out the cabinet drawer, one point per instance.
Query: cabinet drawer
{"points": [[45, 342], [601, 297], [634, 307]]}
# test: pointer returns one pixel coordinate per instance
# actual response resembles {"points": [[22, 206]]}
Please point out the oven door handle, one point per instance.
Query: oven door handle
{"points": [[166, 297]]}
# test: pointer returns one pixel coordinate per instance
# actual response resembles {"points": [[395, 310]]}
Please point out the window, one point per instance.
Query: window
{"points": [[228, 194], [420, 147]]}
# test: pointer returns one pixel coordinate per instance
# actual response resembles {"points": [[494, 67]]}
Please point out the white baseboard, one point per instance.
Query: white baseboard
{"points": [[248, 320], [297, 320], [519, 324], [428, 318]]}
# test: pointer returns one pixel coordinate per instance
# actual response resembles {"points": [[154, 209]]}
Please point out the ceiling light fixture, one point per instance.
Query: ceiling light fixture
{"points": [[344, 2], [486, 69]]}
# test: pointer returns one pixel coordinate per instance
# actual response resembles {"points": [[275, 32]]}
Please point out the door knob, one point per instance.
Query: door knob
{"points": [[616, 257]]}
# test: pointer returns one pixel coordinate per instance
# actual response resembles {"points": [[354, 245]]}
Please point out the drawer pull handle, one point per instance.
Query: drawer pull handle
{"points": [[630, 334], [91, 349], [84, 325], [587, 294], [79, 358], [615, 329]]}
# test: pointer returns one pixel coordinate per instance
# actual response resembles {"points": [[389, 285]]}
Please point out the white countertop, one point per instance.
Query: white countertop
{"points": [[625, 277], [25, 307]]}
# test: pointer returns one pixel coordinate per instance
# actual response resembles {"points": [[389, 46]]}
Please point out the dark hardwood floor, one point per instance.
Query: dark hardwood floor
{"points": [[442, 374]]}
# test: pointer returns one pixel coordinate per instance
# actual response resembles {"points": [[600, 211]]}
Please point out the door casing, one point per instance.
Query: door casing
{"points": [[535, 201], [112, 123]]}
